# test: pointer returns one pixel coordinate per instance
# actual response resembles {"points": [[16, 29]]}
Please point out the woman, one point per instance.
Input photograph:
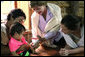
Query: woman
{"points": [[16, 15], [45, 23], [73, 33]]}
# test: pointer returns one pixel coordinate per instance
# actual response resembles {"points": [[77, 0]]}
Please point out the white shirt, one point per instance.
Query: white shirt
{"points": [[71, 43]]}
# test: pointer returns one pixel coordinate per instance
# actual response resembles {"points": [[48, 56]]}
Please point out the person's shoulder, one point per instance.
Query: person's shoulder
{"points": [[11, 40], [34, 14], [50, 4], [3, 28], [53, 5]]}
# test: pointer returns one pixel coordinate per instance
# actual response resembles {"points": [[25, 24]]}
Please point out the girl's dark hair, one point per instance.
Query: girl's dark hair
{"points": [[16, 13], [37, 3], [16, 28], [71, 22]]}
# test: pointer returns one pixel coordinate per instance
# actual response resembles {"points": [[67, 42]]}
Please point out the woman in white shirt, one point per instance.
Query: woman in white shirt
{"points": [[46, 20]]}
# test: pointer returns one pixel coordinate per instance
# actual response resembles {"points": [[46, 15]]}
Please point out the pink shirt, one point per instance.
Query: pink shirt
{"points": [[15, 44]]}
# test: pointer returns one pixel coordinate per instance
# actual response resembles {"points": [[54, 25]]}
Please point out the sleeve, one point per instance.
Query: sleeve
{"points": [[49, 35], [24, 41], [69, 41], [34, 32], [33, 25]]}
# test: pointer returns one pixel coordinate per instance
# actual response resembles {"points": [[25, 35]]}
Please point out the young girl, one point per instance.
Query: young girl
{"points": [[17, 44]]}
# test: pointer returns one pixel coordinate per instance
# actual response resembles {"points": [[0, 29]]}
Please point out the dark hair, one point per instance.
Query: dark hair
{"points": [[16, 13], [37, 3], [71, 22], [16, 28]]}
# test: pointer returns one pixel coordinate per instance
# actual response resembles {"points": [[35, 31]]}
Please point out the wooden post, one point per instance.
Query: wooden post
{"points": [[15, 4], [30, 13]]}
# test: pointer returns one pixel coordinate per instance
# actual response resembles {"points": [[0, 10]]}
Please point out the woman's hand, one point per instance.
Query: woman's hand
{"points": [[64, 52]]}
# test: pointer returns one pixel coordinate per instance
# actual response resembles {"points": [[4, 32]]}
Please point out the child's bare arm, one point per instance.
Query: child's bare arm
{"points": [[22, 48], [14, 53]]}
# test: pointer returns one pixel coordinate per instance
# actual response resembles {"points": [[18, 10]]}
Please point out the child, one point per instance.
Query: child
{"points": [[17, 44]]}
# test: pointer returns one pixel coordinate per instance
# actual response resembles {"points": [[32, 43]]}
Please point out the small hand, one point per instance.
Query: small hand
{"points": [[41, 39]]}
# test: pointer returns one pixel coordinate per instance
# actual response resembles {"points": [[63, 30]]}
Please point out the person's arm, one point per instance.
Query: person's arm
{"points": [[76, 50], [25, 47], [14, 53], [66, 52], [50, 35], [22, 48]]}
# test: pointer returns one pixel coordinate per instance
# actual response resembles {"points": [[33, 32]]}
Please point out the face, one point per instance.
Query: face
{"points": [[39, 9], [65, 30], [19, 36], [20, 19]]}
